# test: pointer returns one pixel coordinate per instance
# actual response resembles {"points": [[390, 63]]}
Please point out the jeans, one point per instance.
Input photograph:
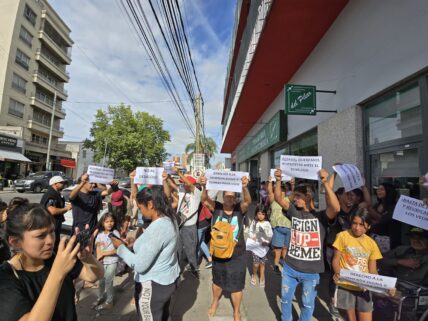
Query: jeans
{"points": [[106, 283], [201, 242], [290, 279]]}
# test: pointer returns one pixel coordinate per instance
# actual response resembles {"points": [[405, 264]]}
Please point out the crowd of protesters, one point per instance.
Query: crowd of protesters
{"points": [[39, 269]]}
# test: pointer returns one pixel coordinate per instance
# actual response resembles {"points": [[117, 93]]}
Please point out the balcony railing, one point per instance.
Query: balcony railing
{"points": [[65, 50], [37, 73]]}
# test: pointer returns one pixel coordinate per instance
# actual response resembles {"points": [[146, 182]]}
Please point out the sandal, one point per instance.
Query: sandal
{"points": [[262, 284], [253, 280]]}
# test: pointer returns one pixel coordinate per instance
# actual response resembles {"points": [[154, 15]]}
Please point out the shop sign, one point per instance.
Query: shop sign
{"points": [[8, 141], [273, 132], [300, 100]]}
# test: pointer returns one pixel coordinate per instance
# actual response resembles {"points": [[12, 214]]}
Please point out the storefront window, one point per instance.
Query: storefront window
{"points": [[394, 116]]}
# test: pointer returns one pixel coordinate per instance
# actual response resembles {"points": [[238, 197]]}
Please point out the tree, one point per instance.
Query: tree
{"points": [[209, 147], [128, 139]]}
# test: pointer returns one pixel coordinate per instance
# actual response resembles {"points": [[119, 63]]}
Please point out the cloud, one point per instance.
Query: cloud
{"points": [[110, 66]]}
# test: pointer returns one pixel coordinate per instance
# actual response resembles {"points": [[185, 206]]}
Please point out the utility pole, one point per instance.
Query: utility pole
{"points": [[198, 125], [48, 155]]}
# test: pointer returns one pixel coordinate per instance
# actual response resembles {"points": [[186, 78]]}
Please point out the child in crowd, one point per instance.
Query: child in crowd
{"points": [[107, 254], [354, 250], [260, 231]]}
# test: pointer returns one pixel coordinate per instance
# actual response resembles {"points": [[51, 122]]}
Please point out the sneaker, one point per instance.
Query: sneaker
{"points": [[276, 269], [209, 265], [104, 306], [96, 303], [281, 262], [334, 311], [195, 273]]}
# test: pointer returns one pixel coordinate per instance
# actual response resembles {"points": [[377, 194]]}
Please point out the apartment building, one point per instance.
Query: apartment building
{"points": [[35, 50]]}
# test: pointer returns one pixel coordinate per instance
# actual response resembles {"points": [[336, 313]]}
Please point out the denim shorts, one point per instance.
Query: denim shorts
{"points": [[281, 237]]}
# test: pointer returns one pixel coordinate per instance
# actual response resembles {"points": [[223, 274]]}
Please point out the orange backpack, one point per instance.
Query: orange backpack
{"points": [[222, 243]]}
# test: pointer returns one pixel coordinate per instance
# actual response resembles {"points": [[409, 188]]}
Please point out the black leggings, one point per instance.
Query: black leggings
{"points": [[152, 300]]}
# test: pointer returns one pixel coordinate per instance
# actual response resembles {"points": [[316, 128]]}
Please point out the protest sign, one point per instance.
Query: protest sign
{"points": [[168, 167], [98, 174], [372, 282], [228, 181], [301, 166], [256, 248], [411, 211], [284, 178], [350, 175], [149, 175]]}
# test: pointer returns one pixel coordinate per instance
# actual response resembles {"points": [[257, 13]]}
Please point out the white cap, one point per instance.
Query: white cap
{"points": [[56, 179]]}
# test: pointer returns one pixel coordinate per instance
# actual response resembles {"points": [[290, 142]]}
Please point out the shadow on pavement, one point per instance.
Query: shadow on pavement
{"points": [[184, 297]]}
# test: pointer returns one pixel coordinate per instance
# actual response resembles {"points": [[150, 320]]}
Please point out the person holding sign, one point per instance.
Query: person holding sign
{"points": [[229, 274], [354, 250], [87, 202], [280, 224], [189, 198], [304, 260]]}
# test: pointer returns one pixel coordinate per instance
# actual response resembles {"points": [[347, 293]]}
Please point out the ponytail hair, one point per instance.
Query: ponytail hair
{"points": [[24, 216], [159, 199]]}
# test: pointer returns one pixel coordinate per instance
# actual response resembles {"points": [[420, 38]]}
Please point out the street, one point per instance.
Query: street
{"points": [[192, 297]]}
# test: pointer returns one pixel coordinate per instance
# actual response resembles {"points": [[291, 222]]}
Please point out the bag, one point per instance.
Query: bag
{"points": [[222, 243], [180, 217]]}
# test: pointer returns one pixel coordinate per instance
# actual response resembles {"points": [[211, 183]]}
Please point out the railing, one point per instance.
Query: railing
{"points": [[63, 49], [53, 84], [55, 63]]}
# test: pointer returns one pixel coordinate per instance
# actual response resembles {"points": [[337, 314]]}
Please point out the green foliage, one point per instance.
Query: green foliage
{"points": [[132, 139], [209, 146]]}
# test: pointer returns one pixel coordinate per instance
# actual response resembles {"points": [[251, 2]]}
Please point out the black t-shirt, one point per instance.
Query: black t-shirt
{"points": [[236, 219], [55, 199], [4, 250], [85, 209], [305, 252], [18, 296], [341, 223]]}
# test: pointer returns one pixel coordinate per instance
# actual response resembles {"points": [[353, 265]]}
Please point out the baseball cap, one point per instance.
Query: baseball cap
{"points": [[56, 179], [418, 231], [191, 179]]}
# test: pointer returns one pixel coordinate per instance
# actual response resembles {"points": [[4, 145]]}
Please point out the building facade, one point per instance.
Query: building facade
{"points": [[35, 49], [369, 52]]}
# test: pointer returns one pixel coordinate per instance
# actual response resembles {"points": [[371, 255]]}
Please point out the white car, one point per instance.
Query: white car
{"points": [[68, 223]]}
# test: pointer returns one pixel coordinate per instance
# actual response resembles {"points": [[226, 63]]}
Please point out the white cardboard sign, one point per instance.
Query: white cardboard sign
{"points": [[168, 165], [284, 178], [301, 166], [99, 174], [256, 248], [411, 211], [350, 175], [228, 181], [149, 175], [372, 282]]}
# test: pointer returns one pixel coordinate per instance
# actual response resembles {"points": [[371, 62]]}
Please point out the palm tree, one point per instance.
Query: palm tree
{"points": [[209, 146]]}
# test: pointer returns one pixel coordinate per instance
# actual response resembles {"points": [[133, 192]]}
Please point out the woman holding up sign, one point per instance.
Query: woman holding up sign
{"points": [[229, 269]]}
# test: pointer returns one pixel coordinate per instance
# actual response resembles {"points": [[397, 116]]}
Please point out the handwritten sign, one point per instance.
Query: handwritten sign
{"points": [[284, 178], [350, 175], [149, 175], [256, 248], [98, 174], [301, 166], [411, 211], [372, 282], [228, 181], [168, 167]]}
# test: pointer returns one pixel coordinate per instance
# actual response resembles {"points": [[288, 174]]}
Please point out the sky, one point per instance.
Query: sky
{"points": [[109, 66]]}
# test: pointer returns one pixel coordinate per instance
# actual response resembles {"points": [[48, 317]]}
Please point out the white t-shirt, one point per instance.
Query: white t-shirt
{"points": [[188, 204], [261, 231], [105, 243]]}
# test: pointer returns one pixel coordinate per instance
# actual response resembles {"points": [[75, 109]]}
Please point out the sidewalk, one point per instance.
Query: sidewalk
{"points": [[192, 300]]}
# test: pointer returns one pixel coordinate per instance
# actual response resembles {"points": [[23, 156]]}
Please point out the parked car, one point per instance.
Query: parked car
{"points": [[125, 182], [39, 181], [68, 216]]}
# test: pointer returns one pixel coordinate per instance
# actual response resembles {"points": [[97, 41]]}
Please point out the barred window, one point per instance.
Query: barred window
{"points": [[22, 59], [16, 108], [30, 15], [26, 36], [19, 83]]}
